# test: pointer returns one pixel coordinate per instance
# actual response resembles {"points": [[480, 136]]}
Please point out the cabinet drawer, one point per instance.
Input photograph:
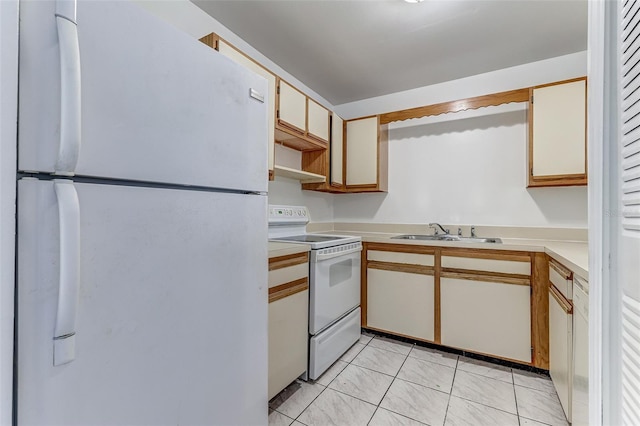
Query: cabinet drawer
{"points": [[288, 274], [401, 303], [561, 278], [285, 269], [487, 265], [399, 257]]}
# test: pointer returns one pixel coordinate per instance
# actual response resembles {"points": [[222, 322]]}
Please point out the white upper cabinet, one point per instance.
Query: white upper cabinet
{"points": [[239, 57], [337, 144], [366, 162], [318, 121], [557, 139], [292, 108]]}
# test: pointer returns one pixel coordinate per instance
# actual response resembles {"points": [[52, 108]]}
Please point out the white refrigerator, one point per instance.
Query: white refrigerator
{"points": [[141, 293]]}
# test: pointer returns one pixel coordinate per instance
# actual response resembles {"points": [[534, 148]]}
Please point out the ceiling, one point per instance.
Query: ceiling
{"points": [[351, 50]]}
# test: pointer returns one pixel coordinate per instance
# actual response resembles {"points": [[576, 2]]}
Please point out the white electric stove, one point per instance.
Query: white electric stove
{"points": [[334, 285]]}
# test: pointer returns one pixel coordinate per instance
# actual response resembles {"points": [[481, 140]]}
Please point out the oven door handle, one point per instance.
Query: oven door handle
{"points": [[326, 256]]}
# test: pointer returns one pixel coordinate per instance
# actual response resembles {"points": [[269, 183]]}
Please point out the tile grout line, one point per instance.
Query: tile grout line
{"points": [[446, 412]]}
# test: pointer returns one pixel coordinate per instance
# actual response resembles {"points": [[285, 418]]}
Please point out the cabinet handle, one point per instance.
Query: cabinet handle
{"points": [[564, 303]]}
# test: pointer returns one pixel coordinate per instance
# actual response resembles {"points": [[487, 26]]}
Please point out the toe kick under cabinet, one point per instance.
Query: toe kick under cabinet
{"points": [[288, 319], [491, 302]]}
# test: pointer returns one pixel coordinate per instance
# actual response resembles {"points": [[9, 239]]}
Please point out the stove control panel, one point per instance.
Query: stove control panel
{"points": [[288, 214]]}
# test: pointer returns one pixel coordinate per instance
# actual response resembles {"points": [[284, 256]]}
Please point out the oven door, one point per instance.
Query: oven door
{"points": [[335, 284]]}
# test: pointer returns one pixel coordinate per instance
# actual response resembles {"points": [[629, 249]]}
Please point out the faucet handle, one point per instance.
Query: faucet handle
{"points": [[473, 232], [459, 231]]}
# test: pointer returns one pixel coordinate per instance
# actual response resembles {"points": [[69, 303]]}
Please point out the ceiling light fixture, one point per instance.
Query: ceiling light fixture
{"points": [[414, 1]]}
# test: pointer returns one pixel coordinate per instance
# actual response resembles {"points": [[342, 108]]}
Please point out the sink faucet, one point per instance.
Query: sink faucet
{"points": [[436, 226]]}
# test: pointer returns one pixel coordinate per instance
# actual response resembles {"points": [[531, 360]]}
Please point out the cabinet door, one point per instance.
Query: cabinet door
{"points": [[362, 151], [401, 303], [239, 57], [288, 340], [558, 134], [318, 121], [560, 345], [486, 317], [337, 144], [292, 108]]}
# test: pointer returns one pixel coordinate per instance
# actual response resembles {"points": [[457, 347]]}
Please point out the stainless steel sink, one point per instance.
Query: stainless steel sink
{"points": [[446, 237]]}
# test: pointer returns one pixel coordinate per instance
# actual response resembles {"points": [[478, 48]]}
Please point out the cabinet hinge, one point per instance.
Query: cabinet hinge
{"points": [[278, 114], [278, 90], [531, 352], [531, 98]]}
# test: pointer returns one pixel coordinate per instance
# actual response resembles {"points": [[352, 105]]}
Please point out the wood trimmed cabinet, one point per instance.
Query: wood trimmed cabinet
{"points": [[401, 293], [288, 319], [492, 302], [561, 333], [557, 134], [301, 123], [366, 155]]}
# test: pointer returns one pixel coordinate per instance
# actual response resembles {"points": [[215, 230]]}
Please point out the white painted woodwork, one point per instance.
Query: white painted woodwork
{"points": [[561, 353], [288, 323], [301, 175], [318, 120], [398, 257], [240, 58], [490, 265], [564, 284], [293, 106], [559, 130], [400, 302], [337, 144], [485, 317], [362, 151], [288, 274]]}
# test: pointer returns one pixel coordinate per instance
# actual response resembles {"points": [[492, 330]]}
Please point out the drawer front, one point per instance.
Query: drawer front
{"points": [[487, 265], [288, 274], [399, 257], [561, 278]]}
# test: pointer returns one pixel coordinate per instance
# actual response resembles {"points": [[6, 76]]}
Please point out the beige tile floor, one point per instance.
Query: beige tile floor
{"points": [[381, 382]]}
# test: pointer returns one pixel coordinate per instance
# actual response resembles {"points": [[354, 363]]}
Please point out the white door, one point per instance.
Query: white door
{"points": [[171, 315], [143, 100], [628, 250]]}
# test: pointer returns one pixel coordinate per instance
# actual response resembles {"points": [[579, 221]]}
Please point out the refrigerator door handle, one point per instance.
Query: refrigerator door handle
{"points": [[70, 97], [68, 293]]}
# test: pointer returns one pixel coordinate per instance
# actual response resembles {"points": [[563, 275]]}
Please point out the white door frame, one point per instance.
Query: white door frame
{"points": [[8, 135], [603, 212]]}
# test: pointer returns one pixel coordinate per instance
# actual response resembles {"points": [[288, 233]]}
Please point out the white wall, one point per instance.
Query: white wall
{"points": [[469, 167], [289, 192], [8, 116], [466, 168]]}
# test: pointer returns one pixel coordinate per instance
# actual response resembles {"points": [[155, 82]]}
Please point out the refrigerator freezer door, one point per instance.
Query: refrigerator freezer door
{"points": [[155, 104], [171, 321]]}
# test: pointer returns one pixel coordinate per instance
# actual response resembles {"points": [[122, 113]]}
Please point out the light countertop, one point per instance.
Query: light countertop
{"points": [[285, 249], [572, 254]]}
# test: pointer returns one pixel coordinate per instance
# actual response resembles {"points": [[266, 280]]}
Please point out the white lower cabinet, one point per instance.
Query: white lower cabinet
{"points": [[401, 303], [486, 317], [288, 320], [560, 347], [287, 340]]}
